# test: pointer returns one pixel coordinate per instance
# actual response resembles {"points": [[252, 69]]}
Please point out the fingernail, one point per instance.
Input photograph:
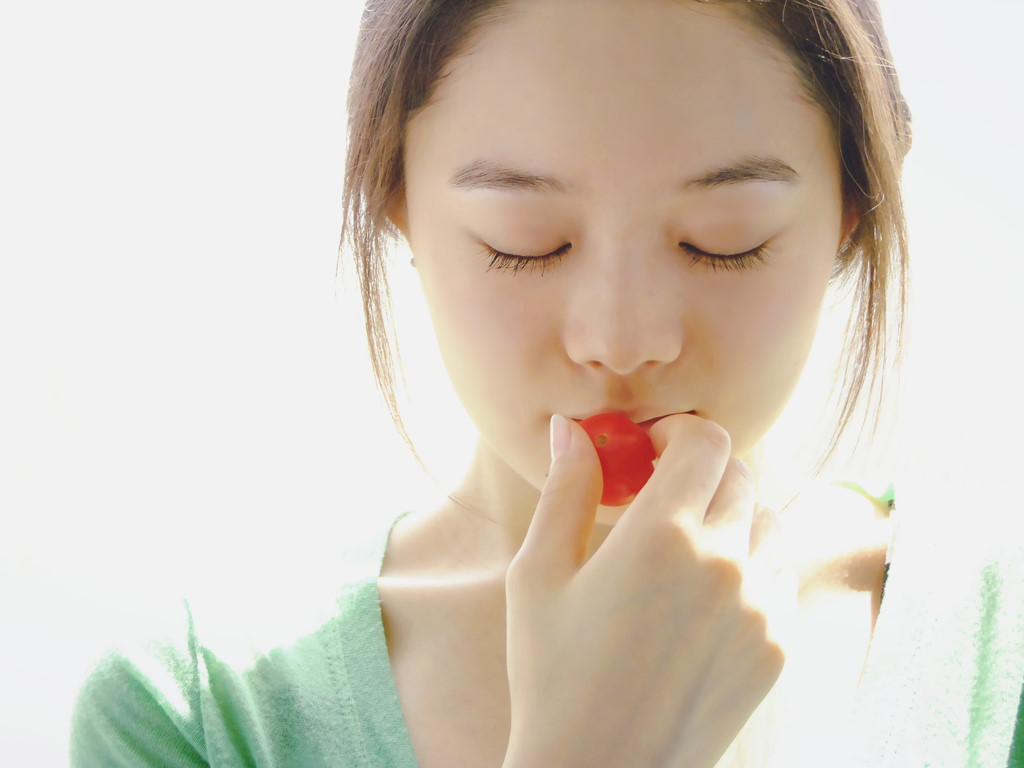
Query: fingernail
{"points": [[559, 436]]}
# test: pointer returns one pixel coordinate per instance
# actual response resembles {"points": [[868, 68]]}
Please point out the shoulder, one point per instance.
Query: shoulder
{"points": [[252, 668], [141, 698], [846, 501], [838, 537]]}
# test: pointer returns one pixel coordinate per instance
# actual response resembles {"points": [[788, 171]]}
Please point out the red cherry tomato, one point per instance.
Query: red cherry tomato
{"points": [[626, 454]]}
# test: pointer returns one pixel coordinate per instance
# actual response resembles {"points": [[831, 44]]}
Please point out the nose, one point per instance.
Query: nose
{"points": [[624, 311]]}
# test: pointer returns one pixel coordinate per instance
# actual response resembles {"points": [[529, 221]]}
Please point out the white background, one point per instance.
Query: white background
{"points": [[184, 389]]}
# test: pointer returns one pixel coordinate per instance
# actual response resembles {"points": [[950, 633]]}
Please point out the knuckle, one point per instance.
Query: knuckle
{"points": [[664, 544], [738, 472], [715, 435], [675, 552], [737, 485], [726, 574], [771, 663], [668, 545], [574, 484], [699, 433], [774, 657], [770, 656], [756, 625], [523, 574], [558, 482], [767, 523]]}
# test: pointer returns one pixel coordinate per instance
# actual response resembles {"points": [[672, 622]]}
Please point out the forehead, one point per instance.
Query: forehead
{"points": [[620, 84]]}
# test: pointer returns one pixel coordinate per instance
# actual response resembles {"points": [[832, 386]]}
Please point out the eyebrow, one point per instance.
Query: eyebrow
{"points": [[485, 174], [753, 168]]}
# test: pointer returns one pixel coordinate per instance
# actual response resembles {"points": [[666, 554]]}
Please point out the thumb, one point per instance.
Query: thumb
{"points": [[556, 542]]}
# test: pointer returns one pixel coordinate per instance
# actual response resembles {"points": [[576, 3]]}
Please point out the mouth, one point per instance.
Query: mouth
{"points": [[644, 425]]}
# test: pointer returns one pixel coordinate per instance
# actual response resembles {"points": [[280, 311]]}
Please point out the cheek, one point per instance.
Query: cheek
{"points": [[784, 322], [489, 337], [763, 347]]}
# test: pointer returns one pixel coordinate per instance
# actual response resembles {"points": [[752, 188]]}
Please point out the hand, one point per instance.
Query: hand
{"points": [[655, 650]]}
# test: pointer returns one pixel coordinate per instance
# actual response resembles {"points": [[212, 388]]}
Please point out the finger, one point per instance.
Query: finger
{"points": [[770, 580], [693, 454], [730, 514], [766, 522], [769, 545], [556, 541], [775, 594]]}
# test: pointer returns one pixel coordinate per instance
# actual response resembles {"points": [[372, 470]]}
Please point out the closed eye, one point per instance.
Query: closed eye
{"points": [[733, 262], [515, 262]]}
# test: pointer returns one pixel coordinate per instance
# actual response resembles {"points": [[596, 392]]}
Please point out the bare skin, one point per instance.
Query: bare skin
{"points": [[444, 612], [530, 626]]}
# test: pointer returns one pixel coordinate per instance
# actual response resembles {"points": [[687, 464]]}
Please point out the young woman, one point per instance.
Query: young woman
{"points": [[631, 207]]}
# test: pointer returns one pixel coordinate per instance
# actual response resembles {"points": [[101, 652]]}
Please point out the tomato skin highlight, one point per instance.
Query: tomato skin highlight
{"points": [[626, 455]]}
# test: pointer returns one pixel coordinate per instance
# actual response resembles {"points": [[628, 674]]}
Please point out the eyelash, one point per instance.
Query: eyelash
{"points": [[736, 262], [511, 261]]}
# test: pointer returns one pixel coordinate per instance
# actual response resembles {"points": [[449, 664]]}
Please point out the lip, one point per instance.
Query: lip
{"points": [[632, 415], [646, 425]]}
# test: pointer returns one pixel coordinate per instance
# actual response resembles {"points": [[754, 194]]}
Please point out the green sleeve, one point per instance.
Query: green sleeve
{"points": [[292, 669], [1017, 749], [140, 707]]}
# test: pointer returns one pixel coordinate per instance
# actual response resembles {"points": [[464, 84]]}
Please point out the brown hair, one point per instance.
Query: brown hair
{"points": [[839, 50]]}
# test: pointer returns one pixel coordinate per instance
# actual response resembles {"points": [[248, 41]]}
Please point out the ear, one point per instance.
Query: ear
{"points": [[850, 221], [398, 214]]}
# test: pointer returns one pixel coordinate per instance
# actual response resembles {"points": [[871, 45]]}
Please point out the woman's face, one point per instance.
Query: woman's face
{"points": [[630, 139]]}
